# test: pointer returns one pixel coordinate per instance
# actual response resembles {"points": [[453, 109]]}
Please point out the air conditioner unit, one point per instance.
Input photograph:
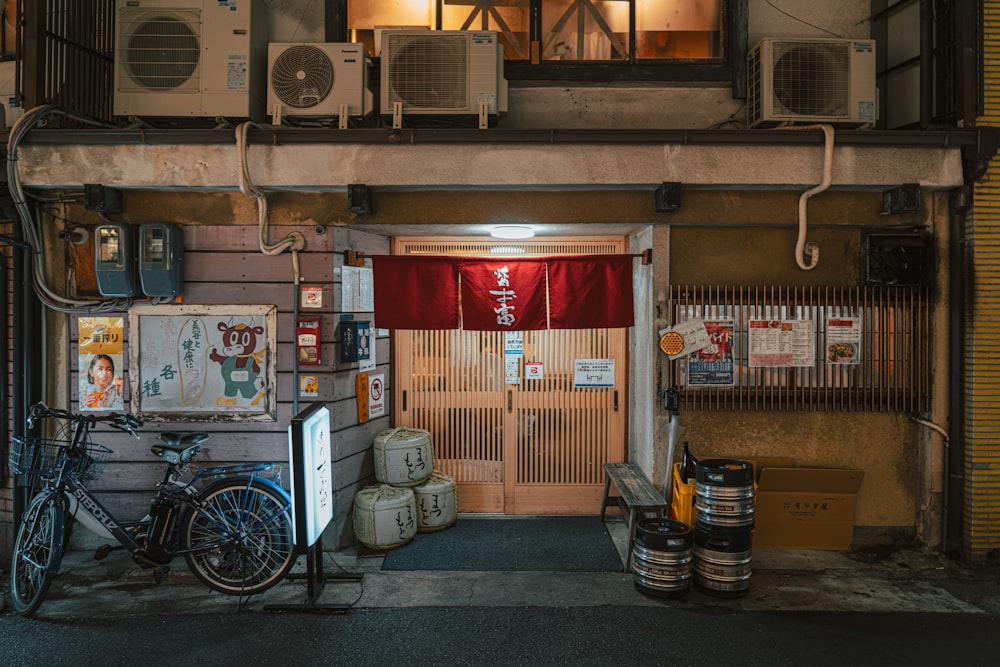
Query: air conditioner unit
{"points": [[316, 79], [190, 58], [442, 72], [812, 81]]}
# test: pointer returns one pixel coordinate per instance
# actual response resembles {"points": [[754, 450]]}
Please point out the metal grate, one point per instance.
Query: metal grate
{"points": [[891, 372], [66, 56], [429, 71], [811, 79], [159, 49]]}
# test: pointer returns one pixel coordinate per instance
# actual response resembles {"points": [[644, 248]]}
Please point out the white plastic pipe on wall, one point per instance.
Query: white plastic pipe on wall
{"points": [[807, 254]]}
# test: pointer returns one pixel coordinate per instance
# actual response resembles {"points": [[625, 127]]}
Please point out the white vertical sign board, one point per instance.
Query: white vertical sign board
{"points": [[357, 286]]}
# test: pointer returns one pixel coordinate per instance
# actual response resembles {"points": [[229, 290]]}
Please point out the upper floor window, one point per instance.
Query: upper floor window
{"points": [[562, 35]]}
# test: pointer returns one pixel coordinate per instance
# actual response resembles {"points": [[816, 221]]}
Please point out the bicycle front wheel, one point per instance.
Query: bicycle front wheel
{"points": [[36, 545], [239, 540]]}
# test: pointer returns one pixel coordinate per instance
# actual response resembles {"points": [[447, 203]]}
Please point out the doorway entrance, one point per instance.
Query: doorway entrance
{"points": [[516, 444]]}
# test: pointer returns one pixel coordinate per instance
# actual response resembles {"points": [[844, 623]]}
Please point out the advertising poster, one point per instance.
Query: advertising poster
{"points": [[781, 343], [211, 360], [101, 362], [683, 338], [713, 365], [843, 341]]}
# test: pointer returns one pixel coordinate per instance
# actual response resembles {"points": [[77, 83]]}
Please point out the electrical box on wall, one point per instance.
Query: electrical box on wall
{"points": [[161, 253], [114, 260]]}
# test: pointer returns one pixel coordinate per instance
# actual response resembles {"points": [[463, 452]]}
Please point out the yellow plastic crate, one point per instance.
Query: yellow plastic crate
{"points": [[682, 499]]}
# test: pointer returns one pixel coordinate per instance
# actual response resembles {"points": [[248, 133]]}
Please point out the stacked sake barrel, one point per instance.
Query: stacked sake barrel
{"points": [[725, 503], [412, 497]]}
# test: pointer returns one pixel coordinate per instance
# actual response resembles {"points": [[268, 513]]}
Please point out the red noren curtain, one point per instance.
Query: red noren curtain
{"points": [[503, 294]]}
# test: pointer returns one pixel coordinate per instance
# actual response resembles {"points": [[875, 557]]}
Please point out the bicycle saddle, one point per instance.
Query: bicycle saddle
{"points": [[179, 447]]}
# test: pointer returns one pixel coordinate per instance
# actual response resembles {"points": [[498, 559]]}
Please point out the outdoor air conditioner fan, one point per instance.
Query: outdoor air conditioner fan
{"points": [[428, 72], [302, 76], [161, 52], [457, 73], [318, 80], [190, 58], [812, 81]]}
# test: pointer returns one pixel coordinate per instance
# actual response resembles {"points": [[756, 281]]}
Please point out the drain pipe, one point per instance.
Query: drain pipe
{"points": [[946, 442], [807, 254]]}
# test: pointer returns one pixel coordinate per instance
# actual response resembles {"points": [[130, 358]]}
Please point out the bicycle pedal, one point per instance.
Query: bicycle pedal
{"points": [[102, 551], [161, 573]]}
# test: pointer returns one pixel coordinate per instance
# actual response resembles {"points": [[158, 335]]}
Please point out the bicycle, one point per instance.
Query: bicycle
{"points": [[232, 526]]}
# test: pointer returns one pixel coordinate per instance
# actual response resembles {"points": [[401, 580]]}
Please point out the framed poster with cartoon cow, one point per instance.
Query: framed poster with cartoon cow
{"points": [[203, 362]]}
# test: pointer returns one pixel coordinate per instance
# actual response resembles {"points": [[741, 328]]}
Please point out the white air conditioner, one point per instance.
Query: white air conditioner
{"points": [[190, 58], [442, 72], [316, 79], [812, 81]]}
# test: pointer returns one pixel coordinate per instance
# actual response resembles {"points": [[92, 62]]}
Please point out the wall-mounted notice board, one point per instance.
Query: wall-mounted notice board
{"points": [[203, 362]]}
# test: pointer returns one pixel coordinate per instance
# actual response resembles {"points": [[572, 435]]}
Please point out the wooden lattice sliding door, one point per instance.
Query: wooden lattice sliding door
{"points": [[534, 447]]}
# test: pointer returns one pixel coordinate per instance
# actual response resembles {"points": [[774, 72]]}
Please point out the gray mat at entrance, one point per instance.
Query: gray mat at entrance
{"points": [[548, 544]]}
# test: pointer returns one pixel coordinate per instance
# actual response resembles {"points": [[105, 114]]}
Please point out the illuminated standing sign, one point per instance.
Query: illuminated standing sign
{"points": [[309, 456]]}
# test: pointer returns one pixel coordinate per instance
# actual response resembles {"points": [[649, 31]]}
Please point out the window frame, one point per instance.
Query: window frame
{"points": [[730, 70]]}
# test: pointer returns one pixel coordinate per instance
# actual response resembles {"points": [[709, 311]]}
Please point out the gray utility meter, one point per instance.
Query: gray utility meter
{"points": [[114, 260], [161, 252]]}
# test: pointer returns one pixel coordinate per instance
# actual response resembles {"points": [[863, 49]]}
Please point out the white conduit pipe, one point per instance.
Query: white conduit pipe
{"points": [[294, 241], [809, 252]]}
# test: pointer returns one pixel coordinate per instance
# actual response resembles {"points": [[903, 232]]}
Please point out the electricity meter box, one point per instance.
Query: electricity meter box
{"points": [[114, 260], [161, 256]]}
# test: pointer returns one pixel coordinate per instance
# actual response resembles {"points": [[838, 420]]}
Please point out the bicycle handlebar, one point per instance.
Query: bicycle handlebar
{"points": [[123, 422]]}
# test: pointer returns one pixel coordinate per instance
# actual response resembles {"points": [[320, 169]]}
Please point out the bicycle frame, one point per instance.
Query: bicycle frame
{"points": [[185, 493], [232, 525]]}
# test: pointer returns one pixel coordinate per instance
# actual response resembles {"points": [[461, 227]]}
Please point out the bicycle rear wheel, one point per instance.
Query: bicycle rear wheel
{"points": [[36, 545], [239, 540]]}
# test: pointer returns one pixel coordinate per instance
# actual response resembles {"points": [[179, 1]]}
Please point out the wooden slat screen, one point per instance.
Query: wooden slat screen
{"points": [[894, 370]]}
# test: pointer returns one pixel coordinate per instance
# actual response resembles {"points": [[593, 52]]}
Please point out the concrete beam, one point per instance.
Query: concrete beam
{"points": [[331, 167]]}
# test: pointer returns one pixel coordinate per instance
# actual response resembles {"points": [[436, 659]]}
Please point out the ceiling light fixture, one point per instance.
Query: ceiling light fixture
{"points": [[512, 232]]}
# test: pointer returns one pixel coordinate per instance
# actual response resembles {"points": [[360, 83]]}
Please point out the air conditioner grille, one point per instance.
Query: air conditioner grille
{"points": [[160, 50], [429, 71], [811, 79], [302, 76]]}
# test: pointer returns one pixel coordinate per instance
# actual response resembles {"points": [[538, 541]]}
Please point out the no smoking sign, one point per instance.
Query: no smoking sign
{"points": [[376, 396]]}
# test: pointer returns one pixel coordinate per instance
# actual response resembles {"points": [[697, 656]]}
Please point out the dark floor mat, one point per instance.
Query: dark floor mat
{"points": [[549, 544]]}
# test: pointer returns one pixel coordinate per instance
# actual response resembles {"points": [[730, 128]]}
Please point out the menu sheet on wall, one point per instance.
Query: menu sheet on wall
{"points": [[843, 341], [203, 359], [781, 343]]}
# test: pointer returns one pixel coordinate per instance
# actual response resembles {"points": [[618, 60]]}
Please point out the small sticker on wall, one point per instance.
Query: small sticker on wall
{"points": [[236, 73], [308, 386], [533, 370], [312, 297]]}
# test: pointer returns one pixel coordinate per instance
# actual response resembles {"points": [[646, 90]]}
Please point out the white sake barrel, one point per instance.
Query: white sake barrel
{"points": [[384, 516], [403, 456], [437, 507]]}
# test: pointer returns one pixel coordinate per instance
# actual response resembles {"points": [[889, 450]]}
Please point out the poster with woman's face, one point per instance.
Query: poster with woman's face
{"points": [[101, 363]]}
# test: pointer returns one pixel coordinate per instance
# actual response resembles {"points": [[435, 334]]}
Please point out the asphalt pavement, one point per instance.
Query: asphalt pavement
{"points": [[877, 605]]}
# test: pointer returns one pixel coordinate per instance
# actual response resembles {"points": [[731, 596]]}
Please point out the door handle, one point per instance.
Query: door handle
{"points": [[404, 400], [510, 401], [616, 400]]}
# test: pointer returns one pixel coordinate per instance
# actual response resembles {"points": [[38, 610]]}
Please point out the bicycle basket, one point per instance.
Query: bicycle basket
{"points": [[41, 456]]}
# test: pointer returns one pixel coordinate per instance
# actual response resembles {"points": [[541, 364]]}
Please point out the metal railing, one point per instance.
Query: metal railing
{"points": [[861, 349]]}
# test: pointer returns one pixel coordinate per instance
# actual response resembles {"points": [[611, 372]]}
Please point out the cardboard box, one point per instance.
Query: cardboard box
{"points": [[806, 508]]}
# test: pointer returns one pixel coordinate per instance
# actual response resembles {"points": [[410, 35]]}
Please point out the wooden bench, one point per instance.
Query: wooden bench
{"points": [[637, 495]]}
